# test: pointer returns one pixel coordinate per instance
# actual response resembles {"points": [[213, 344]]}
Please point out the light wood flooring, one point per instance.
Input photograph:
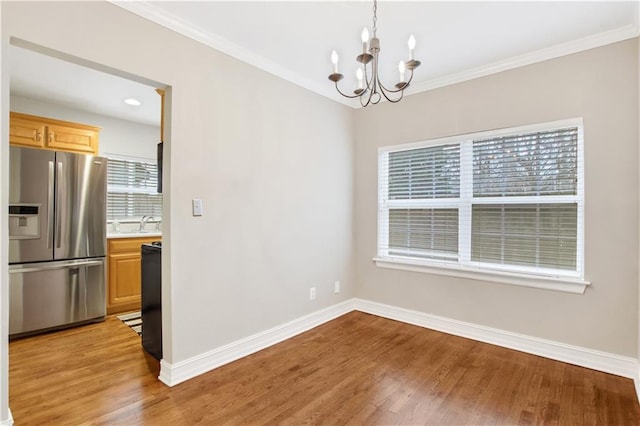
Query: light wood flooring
{"points": [[358, 369]]}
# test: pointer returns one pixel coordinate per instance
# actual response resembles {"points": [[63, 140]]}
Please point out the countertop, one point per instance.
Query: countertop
{"points": [[134, 235]]}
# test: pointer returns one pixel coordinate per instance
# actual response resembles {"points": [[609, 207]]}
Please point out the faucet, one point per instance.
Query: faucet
{"points": [[143, 221]]}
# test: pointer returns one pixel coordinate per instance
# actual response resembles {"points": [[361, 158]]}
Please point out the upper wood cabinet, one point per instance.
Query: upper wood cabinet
{"points": [[48, 133]]}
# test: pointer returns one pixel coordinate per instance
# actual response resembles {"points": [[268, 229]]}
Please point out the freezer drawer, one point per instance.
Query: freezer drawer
{"points": [[55, 294]]}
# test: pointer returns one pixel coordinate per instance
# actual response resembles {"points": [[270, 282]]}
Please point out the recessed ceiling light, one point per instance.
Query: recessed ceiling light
{"points": [[133, 102]]}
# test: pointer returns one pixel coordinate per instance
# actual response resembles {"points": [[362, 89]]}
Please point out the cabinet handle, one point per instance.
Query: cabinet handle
{"points": [[37, 136], [50, 137]]}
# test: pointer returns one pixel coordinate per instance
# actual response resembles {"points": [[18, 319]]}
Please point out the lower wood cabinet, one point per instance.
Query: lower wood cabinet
{"points": [[124, 273]]}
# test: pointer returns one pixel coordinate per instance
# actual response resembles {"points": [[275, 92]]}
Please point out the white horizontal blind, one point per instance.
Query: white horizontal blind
{"points": [[132, 189], [531, 164], [418, 223], [538, 235], [430, 172], [424, 233], [512, 201], [541, 169]]}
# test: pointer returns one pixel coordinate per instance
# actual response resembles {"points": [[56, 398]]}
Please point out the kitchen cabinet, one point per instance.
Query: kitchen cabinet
{"points": [[124, 273], [48, 133]]}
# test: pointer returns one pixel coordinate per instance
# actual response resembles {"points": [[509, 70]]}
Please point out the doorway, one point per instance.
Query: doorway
{"points": [[52, 84]]}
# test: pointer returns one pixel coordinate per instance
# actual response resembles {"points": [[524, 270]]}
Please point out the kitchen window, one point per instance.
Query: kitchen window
{"points": [[132, 189], [504, 205]]}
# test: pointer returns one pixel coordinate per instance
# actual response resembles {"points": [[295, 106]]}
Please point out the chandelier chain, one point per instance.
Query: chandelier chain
{"points": [[375, 17]]}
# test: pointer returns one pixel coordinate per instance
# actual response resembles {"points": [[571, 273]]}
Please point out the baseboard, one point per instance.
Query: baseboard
{"points": [[584, 357], [173, 374], [8, 421], [636, 382]]}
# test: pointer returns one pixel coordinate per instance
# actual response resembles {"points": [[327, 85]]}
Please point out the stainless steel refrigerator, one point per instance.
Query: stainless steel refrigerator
{"points": [[57, 239]]}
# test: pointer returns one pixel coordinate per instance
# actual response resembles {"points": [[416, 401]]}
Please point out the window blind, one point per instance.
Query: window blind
{"points": [[536, 235], [418, 182], [131, 189], [431, 172], [510, 199], [540, 168], [533, 164], [424, 233]]}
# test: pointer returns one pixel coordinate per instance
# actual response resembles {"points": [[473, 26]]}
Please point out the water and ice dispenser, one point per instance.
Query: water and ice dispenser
{"points": [[24, 221]]}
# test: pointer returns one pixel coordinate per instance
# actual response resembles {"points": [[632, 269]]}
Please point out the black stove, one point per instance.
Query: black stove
{"points": [[152, 298]]}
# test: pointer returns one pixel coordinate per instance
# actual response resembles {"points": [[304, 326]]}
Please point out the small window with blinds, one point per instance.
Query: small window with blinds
{"points": [[509, 200], [132, 189]]}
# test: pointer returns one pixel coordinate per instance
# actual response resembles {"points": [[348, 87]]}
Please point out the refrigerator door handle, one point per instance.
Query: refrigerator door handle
{"points": [[50, 206], [59, 203], [18, 269]]}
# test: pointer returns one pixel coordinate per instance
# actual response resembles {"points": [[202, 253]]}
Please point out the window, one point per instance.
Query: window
{"points": [[508, 202], [132, 189]]}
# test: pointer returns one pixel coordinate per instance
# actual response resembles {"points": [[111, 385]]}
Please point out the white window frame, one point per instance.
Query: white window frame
{"points": [[463, 267]]}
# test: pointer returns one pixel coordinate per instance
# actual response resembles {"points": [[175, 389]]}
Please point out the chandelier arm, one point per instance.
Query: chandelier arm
{"points": [[393, 101], [365, 104], [344, 94], [385, 90], [366, 88], [375, 79], [398, 90], [366, 78]]}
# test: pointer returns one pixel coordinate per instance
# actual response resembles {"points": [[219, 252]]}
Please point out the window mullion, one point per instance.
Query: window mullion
{"points": [[466, 197]]}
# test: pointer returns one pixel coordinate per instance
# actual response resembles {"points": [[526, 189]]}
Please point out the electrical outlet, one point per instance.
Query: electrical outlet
{"points": [[312, 293], [336, 287]]}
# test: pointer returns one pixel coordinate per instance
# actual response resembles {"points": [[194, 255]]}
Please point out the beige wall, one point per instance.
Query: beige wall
{"points": [[271, 161], [600, 85], [274, 165]]}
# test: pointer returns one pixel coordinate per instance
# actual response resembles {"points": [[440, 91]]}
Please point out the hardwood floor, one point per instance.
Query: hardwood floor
{"points": [[358, 370]]}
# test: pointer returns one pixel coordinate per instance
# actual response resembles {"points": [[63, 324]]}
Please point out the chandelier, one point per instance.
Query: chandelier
{"points": [[370, 89]]}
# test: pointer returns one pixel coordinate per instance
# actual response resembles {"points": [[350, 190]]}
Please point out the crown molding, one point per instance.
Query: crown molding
{"points": [[152, 13], [568, 48]]}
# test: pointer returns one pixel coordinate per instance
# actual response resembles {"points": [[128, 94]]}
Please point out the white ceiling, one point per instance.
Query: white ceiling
{"points": [[456, 41], [41, 77]]}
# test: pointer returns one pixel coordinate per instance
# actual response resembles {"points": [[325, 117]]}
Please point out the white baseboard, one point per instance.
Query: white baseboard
{"points": [[8, 421], [172, 374], [636, 382], [584, 357]]}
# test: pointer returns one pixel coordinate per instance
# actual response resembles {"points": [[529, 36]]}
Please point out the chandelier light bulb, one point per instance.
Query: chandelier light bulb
{"points": [[401, 68], [365, 39], [365, 35], [334, 61], [412, 46]]}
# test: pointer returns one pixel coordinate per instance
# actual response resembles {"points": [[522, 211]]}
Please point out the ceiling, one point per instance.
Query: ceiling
{"points": [[456, 41], [45, 78]]}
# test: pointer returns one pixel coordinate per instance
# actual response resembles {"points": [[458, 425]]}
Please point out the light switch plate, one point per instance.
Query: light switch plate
{"points": [[197, 207]]}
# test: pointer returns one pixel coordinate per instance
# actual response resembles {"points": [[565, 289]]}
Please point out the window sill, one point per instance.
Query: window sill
{"points": [[566, 285]]}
